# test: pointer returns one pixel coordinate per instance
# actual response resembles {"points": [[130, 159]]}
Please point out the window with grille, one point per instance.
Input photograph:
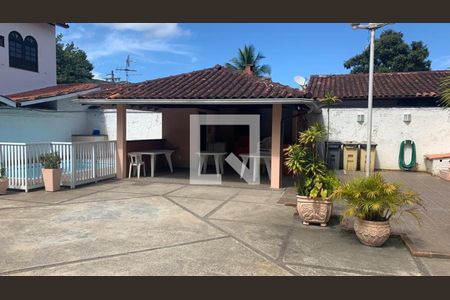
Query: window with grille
{"points": [[30, 54], [23, 53]]}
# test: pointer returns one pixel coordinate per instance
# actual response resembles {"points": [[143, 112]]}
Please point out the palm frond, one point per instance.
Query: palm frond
{"points": [[247, 56], [445, 94], [372, 198]]}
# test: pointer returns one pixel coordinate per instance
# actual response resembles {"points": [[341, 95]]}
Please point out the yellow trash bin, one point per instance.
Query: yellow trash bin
{"points": [[350, 156], [362, 162]]}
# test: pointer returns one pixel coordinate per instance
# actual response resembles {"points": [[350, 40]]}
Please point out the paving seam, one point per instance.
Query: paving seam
{"points": [[25, 201], [361, 272], [421, 266], [140, 196], [260, 253], [247, 222], [110, 256], [67, 200], [177, 189], [220, 205]]}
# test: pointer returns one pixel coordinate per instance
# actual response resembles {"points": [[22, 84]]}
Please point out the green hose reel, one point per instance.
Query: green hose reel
{"points": [[401, 157]]}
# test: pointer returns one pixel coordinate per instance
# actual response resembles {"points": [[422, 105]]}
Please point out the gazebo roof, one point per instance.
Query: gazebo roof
{"points": [[217, 83]]}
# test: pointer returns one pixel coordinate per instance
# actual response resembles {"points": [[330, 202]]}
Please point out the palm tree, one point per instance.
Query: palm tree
{"points": [[247, 56], [328, 100], [445, 86]]}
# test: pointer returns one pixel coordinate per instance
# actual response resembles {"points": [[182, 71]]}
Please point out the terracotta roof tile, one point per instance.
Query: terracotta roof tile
{"points": [[213, 83], [52, 91], [386, 85]]}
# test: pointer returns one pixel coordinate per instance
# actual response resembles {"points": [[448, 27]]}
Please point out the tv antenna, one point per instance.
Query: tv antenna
{"points": [[127, 68], [301, 81], [111, 77]]}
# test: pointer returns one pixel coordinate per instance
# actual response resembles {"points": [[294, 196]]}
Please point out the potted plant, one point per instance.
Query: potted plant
{"points": [[3, 181], [51, 171], [373, 202], [315, 185]]}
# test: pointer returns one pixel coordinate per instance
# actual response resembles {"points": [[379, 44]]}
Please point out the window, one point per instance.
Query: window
{"points": [[23, 54], [30, 54], [2, 41], [15, 49]]}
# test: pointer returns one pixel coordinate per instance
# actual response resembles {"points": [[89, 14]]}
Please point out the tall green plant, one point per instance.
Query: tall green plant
{"points": [[327, 101], [303, 161], [373, 199]]}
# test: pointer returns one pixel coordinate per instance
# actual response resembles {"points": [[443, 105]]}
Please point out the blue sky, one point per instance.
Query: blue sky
{"points": [[290, 48]]}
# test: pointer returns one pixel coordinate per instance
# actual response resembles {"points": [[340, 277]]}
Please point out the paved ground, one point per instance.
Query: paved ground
{"points": [[169, 228], [430, 237]]}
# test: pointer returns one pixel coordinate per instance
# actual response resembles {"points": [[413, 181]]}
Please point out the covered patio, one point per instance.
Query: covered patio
{"points": [[212, 92]]}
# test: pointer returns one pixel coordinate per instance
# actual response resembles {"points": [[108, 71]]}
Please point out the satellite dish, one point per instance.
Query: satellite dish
{"points": [[300, 80]]}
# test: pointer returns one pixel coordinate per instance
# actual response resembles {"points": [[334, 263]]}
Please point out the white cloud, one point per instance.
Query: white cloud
{"points": [[117, 42], [158, 30], [442, 62], [97, 75]]}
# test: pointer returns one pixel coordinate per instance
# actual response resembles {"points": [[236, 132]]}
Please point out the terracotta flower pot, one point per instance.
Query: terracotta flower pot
{"points": [[3, 185], [372, 233], [52, 179], [314, 210]]}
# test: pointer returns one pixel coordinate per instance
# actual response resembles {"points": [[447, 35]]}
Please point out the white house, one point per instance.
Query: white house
{"points": [[406, 107], [27, 56], [34, 108]]}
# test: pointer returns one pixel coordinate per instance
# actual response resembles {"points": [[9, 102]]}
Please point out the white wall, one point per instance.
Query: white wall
{"points": [[22, 125], [141, 125], [13, 80], [25, 125], [429, 129]]}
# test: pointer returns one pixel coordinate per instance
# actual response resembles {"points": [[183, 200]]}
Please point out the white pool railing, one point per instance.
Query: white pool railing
{"points": [[81, 162]]}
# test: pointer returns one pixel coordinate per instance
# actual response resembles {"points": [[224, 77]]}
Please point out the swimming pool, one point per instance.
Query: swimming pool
{"points": [[81, 162]]}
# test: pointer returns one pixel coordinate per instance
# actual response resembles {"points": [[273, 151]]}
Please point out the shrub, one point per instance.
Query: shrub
{"points": [[50, 160], [373, 199], [2, 172]]}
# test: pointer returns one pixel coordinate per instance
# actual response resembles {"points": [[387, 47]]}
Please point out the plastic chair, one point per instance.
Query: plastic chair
{"points": [[136, 162]]}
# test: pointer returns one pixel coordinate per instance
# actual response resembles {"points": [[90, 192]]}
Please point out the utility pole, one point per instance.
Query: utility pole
{"points": [[372, 27]]}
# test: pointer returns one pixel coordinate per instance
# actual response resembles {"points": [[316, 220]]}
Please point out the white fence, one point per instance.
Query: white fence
{"points": [[81, 162]]}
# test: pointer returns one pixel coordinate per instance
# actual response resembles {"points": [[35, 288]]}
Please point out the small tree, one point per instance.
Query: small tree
{"points": [[327, 101], [72, 65], [392, 54]]}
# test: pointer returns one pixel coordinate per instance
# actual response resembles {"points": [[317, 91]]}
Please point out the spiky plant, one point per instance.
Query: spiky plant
{"points": [[445, 95], [248, 56], [374, 199], [302, 160], [327, 101]]}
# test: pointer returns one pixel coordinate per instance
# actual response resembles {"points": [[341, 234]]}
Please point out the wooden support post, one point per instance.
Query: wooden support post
{"points": [[277, 111], [121, 140]]}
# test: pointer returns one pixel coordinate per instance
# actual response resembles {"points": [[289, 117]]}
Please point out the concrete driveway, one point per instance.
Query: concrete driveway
{"points": [[163, 228]]}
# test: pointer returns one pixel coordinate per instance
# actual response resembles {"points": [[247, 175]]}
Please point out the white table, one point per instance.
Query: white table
{"points": [[218, 161], [152, 153], [265, 156]]}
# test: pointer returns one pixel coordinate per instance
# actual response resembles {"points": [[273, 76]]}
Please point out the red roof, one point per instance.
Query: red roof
{"points": [[52, 91], [213, 83], [424, 84]]}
